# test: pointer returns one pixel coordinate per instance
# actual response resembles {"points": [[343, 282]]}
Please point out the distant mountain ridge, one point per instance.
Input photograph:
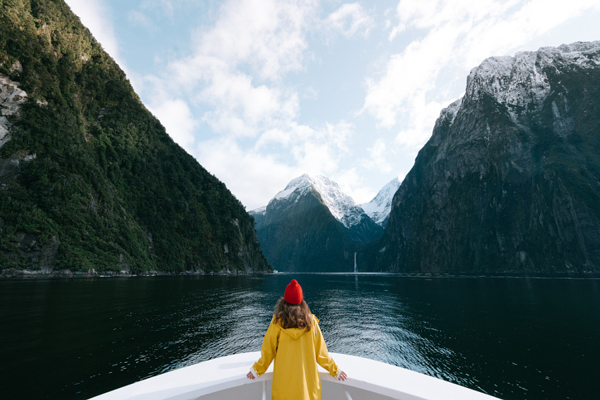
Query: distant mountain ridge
{"points": [[379, 208], [510, 179], [342, 206], [312, 225]]}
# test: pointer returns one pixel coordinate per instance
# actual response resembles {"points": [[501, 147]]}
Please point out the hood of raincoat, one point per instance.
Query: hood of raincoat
{"points": [[295, 333]]}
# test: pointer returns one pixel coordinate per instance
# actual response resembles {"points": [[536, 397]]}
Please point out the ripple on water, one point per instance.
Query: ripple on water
{"points": [[508, 337]]}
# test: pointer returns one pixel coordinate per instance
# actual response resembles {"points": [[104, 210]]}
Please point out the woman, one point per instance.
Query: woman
{"points": [[295, 341]]}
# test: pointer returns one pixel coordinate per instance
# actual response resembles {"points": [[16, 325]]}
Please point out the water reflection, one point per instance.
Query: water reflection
{"points": [[514, 338]]}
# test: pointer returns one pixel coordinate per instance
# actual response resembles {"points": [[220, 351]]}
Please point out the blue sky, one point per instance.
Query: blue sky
{"points": [[262, 91]]}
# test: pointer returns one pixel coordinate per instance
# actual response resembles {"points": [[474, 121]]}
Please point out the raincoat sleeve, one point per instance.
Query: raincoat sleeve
{"points": [[323, 358], [268, 349]]}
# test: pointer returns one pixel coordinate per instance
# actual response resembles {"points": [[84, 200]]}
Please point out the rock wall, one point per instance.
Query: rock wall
{"points": [[11, 99], [510, 179]]}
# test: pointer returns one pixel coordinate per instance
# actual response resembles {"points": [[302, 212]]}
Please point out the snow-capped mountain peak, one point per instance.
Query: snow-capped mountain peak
{"points": [[379, 208], [297, 187], [522, 80], [341, 206]]}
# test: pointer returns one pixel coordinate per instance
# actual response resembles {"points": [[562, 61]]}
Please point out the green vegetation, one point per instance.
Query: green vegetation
{"points": [[106, 180]]}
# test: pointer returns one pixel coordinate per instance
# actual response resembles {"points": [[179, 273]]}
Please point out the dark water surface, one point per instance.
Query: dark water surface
{"points": [[515, 338]]}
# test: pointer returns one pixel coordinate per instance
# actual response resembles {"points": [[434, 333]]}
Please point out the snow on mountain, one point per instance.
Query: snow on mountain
{"points": [[521, 84], [379, 208], [522, 80], [341, 206], [259, 211]]}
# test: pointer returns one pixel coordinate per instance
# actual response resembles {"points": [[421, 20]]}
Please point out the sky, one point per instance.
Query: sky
{"points": [[263, 91]]}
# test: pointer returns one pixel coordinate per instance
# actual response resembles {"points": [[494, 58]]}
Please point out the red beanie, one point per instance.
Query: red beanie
{"points": [[293, 293]]}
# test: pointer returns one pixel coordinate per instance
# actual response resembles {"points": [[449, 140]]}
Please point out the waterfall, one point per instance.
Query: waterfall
{"points": [[355, 267]]}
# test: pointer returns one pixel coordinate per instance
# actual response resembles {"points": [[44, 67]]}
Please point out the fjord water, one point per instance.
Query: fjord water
{"points": [[515, 338]]}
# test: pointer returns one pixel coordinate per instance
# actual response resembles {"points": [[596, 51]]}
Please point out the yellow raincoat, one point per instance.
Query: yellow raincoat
{"points": [[296, 353]]}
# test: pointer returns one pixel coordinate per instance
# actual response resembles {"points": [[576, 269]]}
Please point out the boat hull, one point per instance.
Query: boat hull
{"points": [[225, 378]]}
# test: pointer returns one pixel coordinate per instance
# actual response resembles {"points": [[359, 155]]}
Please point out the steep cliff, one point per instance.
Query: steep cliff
{"points": [[510, 179], [88, 177]]}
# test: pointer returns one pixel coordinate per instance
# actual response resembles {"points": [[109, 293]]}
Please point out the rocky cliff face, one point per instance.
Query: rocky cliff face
{"points": [[11, 99], [89, 179], [510, 179]]}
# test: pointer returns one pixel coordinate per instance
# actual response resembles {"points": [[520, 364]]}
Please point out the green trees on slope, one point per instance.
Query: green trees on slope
{"points": [[96, 171]]}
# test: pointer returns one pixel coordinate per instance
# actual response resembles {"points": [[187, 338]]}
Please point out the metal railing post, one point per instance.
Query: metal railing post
{"points": [[346, 393]]}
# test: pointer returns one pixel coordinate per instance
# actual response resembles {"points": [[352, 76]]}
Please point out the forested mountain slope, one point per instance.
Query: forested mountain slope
{"points": [[88, 176]]}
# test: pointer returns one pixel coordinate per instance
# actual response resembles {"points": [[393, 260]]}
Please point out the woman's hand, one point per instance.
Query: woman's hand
{"points": [[342, 376], [250, 375]]}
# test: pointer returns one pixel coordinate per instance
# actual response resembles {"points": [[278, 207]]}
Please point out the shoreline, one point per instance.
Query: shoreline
{"points": [[11, 273], [20, 274]]}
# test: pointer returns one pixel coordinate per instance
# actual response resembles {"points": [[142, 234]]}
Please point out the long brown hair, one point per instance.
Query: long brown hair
{"points": [[293, 315]]}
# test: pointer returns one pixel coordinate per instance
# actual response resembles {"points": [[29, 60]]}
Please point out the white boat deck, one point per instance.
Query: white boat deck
{"points": [[225, 378]]}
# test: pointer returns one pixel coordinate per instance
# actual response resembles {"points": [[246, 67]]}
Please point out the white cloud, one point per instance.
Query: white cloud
{"points": [[352, 184], [510, 33], [349, 19], [430, 14], [315, 151], [269, 164], [96, 16], [377, 160], [149, 13], [178, 120], [165, 7], [233, 97], [251, 41], [318, 151], [234, 80], [137, 17], [420, 123], [451, 37], [409, 74], [243, 171], [267, 35], [239, 108]]}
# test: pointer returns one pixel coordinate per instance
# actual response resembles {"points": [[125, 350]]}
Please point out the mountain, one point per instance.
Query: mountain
{"points": [[357, 224], [89, 179], [379, 208], [312, 225], [259, 215], [510, 179]]}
